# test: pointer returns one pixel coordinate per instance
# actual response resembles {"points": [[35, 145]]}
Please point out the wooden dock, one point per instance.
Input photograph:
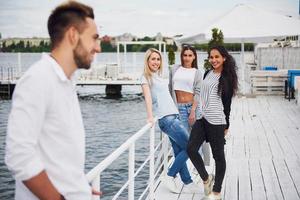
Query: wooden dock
{"points": [[262, 153]]}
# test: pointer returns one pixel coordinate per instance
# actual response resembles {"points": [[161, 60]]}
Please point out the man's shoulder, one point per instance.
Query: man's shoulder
{"points": [[38, 73]]}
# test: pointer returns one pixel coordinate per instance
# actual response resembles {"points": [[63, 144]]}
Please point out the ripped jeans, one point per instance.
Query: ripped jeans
{"points": [[178, 135]]}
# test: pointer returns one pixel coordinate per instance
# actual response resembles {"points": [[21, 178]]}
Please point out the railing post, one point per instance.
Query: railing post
{"points": [[9, 73], [165, 152], [96, 186], [131, 159], [125, 57], [2, 75], [118, 58], [19, 73], [151, 164], [135, 67]]}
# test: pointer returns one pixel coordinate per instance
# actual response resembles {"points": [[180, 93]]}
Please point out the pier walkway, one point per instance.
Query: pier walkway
{"points": [[262, 153]]}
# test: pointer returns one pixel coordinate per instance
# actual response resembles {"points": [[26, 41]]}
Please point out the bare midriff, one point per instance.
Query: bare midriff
{"points": [[184, 97]]}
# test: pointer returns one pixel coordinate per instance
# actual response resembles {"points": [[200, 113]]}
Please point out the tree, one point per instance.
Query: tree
{"points": [[106, 46], [217, 39], [27, 47], [171, 56], [4, 48]]}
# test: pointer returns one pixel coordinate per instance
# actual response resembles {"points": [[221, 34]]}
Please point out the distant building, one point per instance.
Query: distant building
{"points": [[127, 37], [35, 41], [169, 41], [159, 37]]}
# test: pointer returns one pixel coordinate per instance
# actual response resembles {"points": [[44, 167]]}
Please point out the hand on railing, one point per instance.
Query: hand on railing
{"points": [[151, 120], [97, 193]]}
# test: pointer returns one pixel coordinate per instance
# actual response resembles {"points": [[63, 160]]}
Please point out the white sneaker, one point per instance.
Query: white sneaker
{"points": [[191, 188], [213, 196], [169, 182], [209, 185]]}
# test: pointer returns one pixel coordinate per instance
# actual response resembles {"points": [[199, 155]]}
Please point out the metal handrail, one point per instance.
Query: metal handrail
{"points": [[93, 176]]}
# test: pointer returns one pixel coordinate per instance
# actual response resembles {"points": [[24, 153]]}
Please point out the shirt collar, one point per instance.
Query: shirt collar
{"points": [[58, 69]]}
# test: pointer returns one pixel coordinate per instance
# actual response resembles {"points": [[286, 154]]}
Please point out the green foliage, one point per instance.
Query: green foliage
{"points": [[146, 38], [217, 39], [107, 47], [22, 47], [228, 46], [171, 56]]}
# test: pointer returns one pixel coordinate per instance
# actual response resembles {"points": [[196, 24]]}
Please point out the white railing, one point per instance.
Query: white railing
{"points": [[8, 74], [157, 164]]}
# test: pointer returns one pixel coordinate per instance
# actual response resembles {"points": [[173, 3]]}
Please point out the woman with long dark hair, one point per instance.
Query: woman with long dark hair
{"points": [[217, 89], [184, 84]]}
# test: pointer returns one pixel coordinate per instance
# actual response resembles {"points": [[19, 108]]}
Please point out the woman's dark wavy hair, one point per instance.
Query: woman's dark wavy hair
{"points": [[228, 81], [189, 47]]}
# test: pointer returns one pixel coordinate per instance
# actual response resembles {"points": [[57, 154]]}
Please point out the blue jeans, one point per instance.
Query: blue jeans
{"points": [[184, 113], [178, 135]]}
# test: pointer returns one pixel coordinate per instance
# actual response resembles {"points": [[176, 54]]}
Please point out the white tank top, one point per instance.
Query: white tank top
{"points": [[184, 79]]}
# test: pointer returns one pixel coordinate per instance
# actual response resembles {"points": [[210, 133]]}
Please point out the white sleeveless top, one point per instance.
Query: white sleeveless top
{"points": [[184, 79]]}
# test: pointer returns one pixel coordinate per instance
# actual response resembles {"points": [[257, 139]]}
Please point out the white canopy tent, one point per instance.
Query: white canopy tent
{"points": [[246, 23]]}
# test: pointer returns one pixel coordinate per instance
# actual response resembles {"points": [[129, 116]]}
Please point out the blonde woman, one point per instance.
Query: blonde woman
{"points": [[159, 103]]}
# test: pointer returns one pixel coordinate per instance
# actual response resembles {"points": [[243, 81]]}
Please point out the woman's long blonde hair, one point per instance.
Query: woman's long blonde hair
{"points": [[147, 71]]}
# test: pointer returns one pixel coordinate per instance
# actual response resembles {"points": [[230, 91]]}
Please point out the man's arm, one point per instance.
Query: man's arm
{"points": [[23, 132], [41, 186]]}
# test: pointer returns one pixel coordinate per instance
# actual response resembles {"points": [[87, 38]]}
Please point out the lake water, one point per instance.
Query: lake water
{"points": [[108, 123]]}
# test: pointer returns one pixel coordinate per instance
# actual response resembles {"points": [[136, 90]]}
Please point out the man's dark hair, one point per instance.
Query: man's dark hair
{"points": [[71, 13]]}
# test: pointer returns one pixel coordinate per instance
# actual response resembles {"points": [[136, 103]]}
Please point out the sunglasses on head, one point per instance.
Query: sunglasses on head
{"points": [[188, 46]]}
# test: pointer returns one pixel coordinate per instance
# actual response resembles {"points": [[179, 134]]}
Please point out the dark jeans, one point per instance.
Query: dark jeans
{"points": [[203, 130]]}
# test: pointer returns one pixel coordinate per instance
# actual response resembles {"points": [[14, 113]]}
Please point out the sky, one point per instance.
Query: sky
{"points": [[20, 18]]}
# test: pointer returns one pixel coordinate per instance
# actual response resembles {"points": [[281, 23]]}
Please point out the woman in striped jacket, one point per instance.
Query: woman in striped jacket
{"points": [[216, 91]]}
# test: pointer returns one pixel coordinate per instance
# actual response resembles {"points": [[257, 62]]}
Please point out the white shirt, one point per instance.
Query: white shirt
{"points": [[162, 102], [211, 106], [184, 79], [45, 132]]}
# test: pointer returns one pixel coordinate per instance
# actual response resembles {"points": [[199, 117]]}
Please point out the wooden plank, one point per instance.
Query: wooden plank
{"points": [[262, 141], [274, 84], [231, 180], [256, 177], [274, 145], [279, 73], [272, 186], [286, 183], [163, 193], [185, 194], [293, 165], [244, 180], [281, 132]]}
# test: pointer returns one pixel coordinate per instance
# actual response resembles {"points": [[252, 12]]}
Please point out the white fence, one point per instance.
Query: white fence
{"points": [[157, 159], [282, 58]]}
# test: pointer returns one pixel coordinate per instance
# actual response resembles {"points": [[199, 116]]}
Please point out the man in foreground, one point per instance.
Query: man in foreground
{"points": [[45, 144]]}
